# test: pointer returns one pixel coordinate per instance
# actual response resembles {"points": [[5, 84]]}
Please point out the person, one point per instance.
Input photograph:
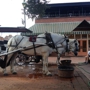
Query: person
{"points": [[88, 53], [87, 58]]}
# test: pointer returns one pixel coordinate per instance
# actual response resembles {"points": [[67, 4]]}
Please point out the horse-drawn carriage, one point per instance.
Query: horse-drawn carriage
{"points": [[21, 58], [32, 48]]}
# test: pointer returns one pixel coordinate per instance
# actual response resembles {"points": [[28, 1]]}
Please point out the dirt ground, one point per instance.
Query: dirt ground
{"points": [[30, 77]]}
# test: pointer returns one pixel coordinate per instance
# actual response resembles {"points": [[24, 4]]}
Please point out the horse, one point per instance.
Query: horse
{"points": [[32, 48], [46, 39], [73, 47]]}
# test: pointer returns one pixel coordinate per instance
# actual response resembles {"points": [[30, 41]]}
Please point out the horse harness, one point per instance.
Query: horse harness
{"points": [[76, 45], [16, 43], [31, 39], [50, 42]]}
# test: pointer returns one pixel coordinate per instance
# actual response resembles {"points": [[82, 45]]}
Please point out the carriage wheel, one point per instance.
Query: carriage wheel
{"points": [[20, 59], [38, 58], [35, 59], [29, 59]]}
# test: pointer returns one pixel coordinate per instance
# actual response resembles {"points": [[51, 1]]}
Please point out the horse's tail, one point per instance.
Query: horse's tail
{"points": [[3, 62]]}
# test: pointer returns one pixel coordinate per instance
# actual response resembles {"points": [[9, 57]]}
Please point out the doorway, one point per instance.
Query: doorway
{"points": [[83, 48]]}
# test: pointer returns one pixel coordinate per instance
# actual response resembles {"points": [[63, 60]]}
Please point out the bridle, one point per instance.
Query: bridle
{"points": [[76, 46], [51, 44]]}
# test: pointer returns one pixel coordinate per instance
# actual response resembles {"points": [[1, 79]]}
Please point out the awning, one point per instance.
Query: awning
{"points": [[56, 27], [14, 29]]}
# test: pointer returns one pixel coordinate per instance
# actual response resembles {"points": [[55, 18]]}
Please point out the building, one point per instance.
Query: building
{"points": [[6, 37], [12, 29], [72, 19]]}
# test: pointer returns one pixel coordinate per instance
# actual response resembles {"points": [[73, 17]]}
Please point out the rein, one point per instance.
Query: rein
{"points": [[51, 44], [32, 47], [25, 47], [60, 43]]}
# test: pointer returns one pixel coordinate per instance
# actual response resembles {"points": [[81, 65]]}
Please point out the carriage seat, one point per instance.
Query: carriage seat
{"points": [[1, 43], [5, 41], [3, 48]]}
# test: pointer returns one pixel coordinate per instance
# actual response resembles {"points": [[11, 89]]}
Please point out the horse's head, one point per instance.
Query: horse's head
{"points": [[74, 46]]}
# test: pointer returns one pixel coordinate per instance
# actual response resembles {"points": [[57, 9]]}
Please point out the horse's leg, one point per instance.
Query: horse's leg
{"points": [[13, 68], [5, 72], [12, 64], [45, 64], [58, 59]]}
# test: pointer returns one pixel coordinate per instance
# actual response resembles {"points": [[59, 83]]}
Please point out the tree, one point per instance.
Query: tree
{"points": [[34, 8]]}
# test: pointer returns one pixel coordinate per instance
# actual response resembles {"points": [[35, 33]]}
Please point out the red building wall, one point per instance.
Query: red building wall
{"points": [[62, 19]]}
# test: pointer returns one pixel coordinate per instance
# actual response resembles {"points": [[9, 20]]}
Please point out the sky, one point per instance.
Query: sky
{"points": [[11, 13]]}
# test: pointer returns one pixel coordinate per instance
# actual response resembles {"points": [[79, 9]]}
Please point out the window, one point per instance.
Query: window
{"points": [[77, 36], [89, 43], [71, 36], [84, 45], [84, 35], [88, 35]]}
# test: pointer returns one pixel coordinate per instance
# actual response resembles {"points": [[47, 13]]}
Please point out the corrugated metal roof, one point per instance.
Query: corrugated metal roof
{"points": [[57, 27], [15, 29]]}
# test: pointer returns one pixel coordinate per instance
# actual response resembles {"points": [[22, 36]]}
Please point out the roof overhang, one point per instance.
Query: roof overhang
{"points": [[14, 29]]}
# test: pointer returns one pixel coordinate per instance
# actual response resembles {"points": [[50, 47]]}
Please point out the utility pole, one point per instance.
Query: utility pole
{"points": [[24, 13]]}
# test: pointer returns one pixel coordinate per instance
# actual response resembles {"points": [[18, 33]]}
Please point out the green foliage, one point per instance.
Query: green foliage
{"points": [[34, 8]]}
